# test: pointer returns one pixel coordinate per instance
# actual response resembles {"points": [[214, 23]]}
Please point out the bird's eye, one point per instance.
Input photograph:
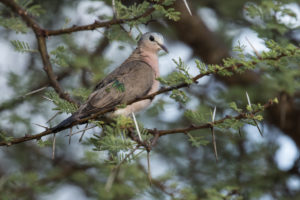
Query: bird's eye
{"points": [[151, 38]]}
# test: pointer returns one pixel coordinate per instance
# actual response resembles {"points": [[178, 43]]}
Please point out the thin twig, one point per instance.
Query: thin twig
{"points": [[82, 130], [85, 128], [53, 117], [256, 124], [45, 127]]}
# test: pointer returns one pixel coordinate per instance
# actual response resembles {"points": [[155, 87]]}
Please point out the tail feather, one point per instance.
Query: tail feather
{"points": [[63, 124]]}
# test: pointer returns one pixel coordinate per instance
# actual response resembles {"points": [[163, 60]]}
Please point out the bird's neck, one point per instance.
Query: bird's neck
{"points": [[150, 57]]}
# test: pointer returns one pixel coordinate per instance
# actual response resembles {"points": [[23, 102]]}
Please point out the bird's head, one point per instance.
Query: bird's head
{"points": [[153, 42]]}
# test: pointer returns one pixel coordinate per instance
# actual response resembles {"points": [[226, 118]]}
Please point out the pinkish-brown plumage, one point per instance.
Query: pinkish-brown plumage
{"points": [[137, 74]]}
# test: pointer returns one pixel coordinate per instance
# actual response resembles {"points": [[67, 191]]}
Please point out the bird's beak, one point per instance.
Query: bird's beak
{"points": [[163, 47]]}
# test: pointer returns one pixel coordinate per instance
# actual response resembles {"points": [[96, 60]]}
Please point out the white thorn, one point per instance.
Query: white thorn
{"points": [[187, 7], [248, 99], [136, 126], [47, 98], [214, 114]]}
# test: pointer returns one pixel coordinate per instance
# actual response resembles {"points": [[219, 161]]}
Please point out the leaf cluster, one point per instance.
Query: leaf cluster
{"points": [[62, 105]]}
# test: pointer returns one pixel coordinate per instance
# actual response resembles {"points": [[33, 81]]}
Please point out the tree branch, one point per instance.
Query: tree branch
{"points": [[210, 124], [96, 24], [151, 96], [41, 35], [41, 46], [12, 103]]}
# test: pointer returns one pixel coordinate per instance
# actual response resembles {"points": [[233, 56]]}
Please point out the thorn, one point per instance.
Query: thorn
{"points": [[114, 9], [255, 51], [213, 133], [45, 127], [34, 91], [214, 114], [149, 169], [80, 139], [47, 98], [240, 132], [110, 180], [81, 130], [187, 6], [52, 117], [214, 143], [260, 132], [137, 127], [248, 99], [70, 135], [53, 146]]}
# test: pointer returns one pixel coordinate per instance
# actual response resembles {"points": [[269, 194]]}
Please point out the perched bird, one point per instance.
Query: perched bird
{"points": [[136, 77]]}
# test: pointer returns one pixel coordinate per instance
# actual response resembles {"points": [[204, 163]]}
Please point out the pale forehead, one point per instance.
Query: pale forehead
{"points": [[158, 37]]}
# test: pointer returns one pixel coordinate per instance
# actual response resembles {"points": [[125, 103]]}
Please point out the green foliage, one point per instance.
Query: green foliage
{"points": [[116, 141], [198, 116], [61, 104], [15, 81], [197, 141], [165, 9], [60, 56], [18, 181], [179, 96], [31, 8], [170, 13], [124, 12], [4, 137], [22, 46], [191, 173], [234, 107], [180, 75], [157, 108], [14, 23], [44, 143], [267, 18], [231, 193], [81, 93]]}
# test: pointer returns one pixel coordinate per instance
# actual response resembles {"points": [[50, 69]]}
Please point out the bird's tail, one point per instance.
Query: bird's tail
{"points": [[64, 124]]}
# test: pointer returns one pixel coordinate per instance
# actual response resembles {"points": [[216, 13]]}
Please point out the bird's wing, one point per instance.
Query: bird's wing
{"points": [[131, 80]]}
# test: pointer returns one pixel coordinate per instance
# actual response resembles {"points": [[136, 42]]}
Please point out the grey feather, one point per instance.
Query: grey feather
{"points": [[136, 77]]}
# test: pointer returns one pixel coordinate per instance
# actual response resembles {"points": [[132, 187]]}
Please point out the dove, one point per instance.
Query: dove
{"points": [[134, 78]]}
